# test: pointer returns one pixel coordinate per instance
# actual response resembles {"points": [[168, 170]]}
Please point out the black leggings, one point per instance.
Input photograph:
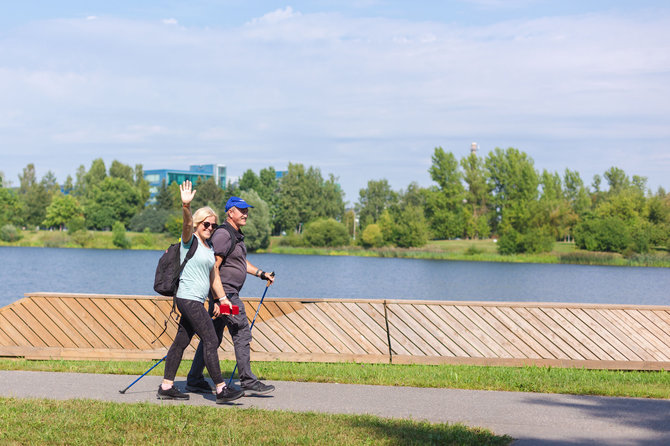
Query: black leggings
{"points": [[194, 320]]}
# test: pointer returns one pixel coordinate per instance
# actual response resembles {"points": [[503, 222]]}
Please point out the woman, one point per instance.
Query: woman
{"points": [[198, 276]]}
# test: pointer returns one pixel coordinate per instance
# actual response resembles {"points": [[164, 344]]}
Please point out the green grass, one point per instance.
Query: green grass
{"points": [[86, 422], [90, 239], [651, 384], [465, 250], [483, 251]]}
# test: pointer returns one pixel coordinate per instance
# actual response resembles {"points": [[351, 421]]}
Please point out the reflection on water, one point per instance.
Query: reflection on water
{"points": [[132, 272]]}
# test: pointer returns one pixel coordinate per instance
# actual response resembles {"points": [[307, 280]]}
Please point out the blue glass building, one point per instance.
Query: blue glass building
{"points": [[201, 172]]}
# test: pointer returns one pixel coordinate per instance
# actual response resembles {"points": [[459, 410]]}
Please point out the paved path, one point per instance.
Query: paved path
{"points": [[532, 418]]}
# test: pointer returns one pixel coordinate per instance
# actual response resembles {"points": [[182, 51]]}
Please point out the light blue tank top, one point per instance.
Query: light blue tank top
{"points": [[194, 279]]}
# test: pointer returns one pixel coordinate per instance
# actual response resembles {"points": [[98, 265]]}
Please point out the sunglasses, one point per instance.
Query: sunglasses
{"points": [[207, 224]]}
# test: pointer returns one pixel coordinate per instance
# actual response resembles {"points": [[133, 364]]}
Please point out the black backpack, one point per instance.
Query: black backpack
{"points": [[168, 270]]}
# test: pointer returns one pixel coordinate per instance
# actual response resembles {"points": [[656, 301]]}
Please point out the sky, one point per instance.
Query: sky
{"points": [[362, 89]]}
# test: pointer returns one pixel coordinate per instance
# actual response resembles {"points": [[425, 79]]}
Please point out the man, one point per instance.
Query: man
{"points": [[233, 268]]}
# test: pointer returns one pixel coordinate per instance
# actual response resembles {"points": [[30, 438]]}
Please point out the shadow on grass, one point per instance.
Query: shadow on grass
{"points": [[407, 432]]}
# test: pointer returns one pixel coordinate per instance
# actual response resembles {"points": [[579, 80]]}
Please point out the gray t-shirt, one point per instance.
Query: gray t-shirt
{"points": [[233, 270], [194, 279]]}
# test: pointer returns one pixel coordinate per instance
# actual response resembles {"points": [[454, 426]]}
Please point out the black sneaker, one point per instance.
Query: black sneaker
{"points": [[171, 394], [201, 386], [227, 394], [258, 388]]}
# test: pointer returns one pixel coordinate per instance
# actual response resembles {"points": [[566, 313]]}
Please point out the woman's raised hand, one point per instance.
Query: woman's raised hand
{"points": [[186, 193]]}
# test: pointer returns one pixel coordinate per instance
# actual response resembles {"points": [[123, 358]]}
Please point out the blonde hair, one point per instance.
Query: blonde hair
{"points": [[201, 214]]}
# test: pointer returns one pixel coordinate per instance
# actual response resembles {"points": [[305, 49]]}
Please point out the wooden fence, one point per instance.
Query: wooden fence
{"points": [[84, 326]]}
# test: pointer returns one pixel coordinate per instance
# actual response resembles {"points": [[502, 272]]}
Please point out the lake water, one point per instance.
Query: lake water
{"points": [[25, 270]]}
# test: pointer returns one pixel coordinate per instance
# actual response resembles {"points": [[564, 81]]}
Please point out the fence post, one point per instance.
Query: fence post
{"points": [[388, 333]]}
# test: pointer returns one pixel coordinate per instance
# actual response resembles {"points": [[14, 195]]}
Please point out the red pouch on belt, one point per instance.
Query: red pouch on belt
{"points": [[225, 309]]}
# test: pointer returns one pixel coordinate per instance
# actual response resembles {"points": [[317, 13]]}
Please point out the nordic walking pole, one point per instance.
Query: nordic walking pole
{"points": [[131, 384], [252, 323]]}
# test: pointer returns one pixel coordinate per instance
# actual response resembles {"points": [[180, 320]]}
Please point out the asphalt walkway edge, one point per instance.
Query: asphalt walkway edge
{"points": [[531, 418]]}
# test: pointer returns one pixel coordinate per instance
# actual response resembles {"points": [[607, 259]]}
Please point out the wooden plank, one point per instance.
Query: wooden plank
{"points": [[5, 338], [631, 328], [561, 338], [492, 349], [163, 319], [290, 322], [654, 325], [25, 310], [624, 353], [99, 309], [572, 336], [660, 319], [627, 345], [491, 332], [376, 312], [597, 336], [45, 319], [144, 335], [582, 333], [442, 331], [375, 334], [274, 332], [69, 309], [48, 306], [82, 308], [524, 350], [402, 336], [519, 332], [362, 345], [266, 335], [532, 331], [473, 345], [148, 328], [281, 326], [113, 312], [317, 338], [18, 328], [338, 338], [330, 344], [417, 321]]}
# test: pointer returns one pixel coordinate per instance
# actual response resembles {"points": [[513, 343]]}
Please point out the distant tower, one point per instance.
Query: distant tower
{"points": [[473, 148]]}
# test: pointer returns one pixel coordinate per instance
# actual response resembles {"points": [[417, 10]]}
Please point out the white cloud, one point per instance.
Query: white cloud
{"points": [[277, 16], [370, 97], [170, 21]]}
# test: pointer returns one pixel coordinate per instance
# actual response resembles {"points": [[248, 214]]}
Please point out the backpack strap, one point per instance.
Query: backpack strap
{"points": [[233, 239]]}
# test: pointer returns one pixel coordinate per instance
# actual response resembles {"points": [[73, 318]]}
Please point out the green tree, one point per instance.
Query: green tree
{"points": [[514, 182], [63, 208], [94, 177], [209, 194], [373, 200], [168, 197], [141, 185], [616, 179], [410, 229], [152, 219], [249, 181], [119, 238], [258, 228], [444, 203], [477, 197], [119, 170], [326, 232], [11, 208], [111, 201], [305, 196], [35, 196], [372, 236]]}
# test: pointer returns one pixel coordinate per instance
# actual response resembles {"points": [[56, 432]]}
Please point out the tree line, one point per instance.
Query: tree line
{"points": [[501, 195]]}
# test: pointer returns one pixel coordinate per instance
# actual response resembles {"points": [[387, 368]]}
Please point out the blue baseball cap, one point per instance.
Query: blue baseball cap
{"points": [[237, 202]]}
